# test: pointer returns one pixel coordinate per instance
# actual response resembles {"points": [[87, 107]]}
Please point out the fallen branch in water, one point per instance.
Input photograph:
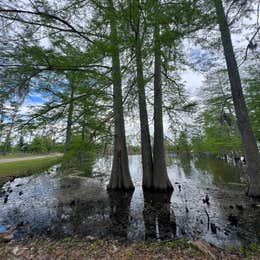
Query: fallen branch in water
{"points": [[208, 218]]}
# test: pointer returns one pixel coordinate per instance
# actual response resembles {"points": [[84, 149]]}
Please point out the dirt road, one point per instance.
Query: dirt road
{"points": [[29, 158]]}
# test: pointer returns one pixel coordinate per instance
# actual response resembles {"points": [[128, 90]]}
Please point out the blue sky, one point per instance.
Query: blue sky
{"points": [[34, 98]]}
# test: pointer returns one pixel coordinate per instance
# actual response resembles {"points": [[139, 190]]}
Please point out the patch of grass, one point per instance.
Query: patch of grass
{"points": [[251, 251], [193, 251], [176, 243], [27, 167], [67, 239]]}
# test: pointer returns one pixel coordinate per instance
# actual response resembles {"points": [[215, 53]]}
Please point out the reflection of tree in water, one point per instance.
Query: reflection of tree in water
{"points": [[257, 225], [119, 212], [81, 209], [94, 214], [159, 219], [169, 159], [185, 159], [221, 171]]}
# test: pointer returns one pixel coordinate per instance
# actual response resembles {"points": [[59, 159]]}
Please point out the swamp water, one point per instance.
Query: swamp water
{"points": [[51, 204]]}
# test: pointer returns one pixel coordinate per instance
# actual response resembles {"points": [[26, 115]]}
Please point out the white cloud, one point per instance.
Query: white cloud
{"points": [[193, 82]]}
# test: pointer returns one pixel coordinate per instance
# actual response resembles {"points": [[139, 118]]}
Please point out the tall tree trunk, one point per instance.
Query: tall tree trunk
{"points": [[244, 125], [161, 179], [12, 124], [69, 119], [1, 117], [120, 175], [147, 160], [8, 137], [84, 123]]}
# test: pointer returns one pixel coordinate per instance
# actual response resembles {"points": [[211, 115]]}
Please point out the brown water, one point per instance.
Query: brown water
{"points": [[52, 204]]}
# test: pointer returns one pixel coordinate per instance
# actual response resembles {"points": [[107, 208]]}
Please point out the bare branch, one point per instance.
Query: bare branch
{"points": [[46, 15], [248, 46]]}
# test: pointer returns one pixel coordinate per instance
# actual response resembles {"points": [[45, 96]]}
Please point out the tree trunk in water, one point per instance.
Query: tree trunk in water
{"points": [[120, 202], [69, 119], [161, 179], [159, 219], [244, 125], [147, 160], [120, 175]]}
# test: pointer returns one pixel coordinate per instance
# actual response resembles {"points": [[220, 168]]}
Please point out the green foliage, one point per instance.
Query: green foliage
{"points": [[217, 140], [169, 145], [134, 149], [58, 147], [42, 144], [197, 144], [22, 146], [218, 133], [253, 104], [182, 143], [73, 71], [80, 154], [6, 147]]}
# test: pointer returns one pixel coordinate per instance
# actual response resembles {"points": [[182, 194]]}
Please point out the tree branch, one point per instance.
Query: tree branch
{"points": [[46, 15]]}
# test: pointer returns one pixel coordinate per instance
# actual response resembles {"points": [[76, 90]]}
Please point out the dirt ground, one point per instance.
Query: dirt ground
{"points": [[5, 160], [89, 248]]}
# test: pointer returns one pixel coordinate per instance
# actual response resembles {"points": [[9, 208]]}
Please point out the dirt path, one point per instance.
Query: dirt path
{"points": [[29, 158]]}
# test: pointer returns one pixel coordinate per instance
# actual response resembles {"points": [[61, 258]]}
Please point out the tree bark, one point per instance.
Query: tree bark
{"points": [[147, 160], [120, 175], [1, 117], [12, 124], [161, 179], [69, 119], [244, 125], [83, 131]]}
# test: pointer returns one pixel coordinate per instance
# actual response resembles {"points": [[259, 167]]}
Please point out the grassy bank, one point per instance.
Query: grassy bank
{"points": [[27, 167], [71, 248]]}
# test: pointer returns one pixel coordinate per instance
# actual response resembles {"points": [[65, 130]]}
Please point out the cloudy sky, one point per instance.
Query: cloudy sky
{"points": [[192, 79]]}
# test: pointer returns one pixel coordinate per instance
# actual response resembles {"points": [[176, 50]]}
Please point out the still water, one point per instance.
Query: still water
{"points": [[52, 204]]}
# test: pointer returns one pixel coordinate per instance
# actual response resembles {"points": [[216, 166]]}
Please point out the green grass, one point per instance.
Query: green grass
{"points": [[27, 167], [251, 251]]}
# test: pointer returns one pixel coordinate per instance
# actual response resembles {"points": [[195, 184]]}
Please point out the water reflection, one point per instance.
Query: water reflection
{"points": [[159, 219], [221, 171], [53, 204], [257, 225], [185, 161], [79, 201], [119, 212]]}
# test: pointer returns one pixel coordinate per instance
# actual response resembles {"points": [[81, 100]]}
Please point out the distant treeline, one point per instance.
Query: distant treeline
{"points": [[39, 144]]}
